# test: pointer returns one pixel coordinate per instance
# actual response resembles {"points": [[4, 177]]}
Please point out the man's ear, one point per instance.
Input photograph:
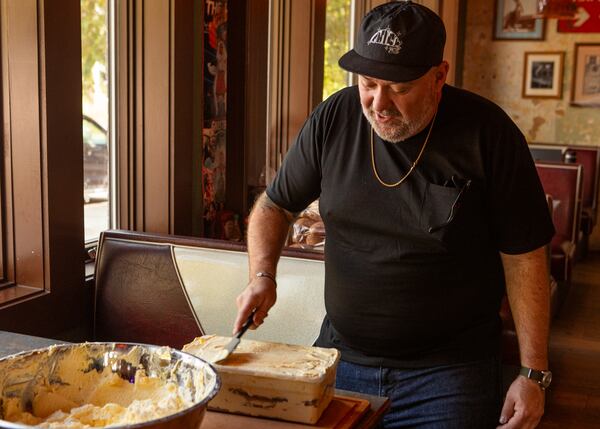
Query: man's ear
{"points": [[442, 72]]}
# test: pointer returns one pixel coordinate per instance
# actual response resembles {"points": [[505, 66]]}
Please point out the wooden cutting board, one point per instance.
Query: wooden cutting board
{"points": [[343, 412]]}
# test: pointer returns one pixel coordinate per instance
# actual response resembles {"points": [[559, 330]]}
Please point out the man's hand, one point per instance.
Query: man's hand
{"points": [[524, 405], [260, 294]]}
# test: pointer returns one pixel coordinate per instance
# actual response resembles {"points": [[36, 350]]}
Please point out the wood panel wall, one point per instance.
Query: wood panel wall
{"points": [[236, 190], [256, 56], [156, 130], [296, 71]]}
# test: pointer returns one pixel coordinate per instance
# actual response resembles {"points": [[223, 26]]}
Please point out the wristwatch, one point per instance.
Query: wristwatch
{"points": [[543, 378]]}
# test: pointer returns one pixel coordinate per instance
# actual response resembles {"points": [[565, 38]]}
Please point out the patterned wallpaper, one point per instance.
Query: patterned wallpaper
{"points": [[494, 69]]}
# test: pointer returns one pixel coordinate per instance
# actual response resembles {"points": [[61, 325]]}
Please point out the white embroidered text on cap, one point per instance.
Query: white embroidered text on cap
{"points": [[387, 38]]}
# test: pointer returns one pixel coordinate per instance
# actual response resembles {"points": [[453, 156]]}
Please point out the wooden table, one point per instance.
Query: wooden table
{"points": [[11, 343]]}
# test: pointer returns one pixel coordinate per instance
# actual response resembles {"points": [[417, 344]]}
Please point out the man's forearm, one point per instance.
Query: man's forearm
{"points": [[528, 289], [267, 231]]}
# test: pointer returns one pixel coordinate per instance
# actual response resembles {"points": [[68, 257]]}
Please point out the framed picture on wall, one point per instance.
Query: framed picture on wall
{"points": [[543, 74], [515, 20], [586, 75]]}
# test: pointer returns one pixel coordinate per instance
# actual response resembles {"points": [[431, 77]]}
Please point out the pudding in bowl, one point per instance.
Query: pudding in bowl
{"points": [[113, 385]]}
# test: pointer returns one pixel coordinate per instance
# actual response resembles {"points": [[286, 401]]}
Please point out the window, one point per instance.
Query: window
{"points": [[95, 102], [42, 173], [337, 42]]}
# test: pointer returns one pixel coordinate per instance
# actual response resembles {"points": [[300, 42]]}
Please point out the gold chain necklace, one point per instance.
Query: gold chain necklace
{"points": [[412, 167]]}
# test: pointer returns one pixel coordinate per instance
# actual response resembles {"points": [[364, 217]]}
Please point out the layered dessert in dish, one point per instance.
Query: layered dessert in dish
{"points": [[274, 380]]}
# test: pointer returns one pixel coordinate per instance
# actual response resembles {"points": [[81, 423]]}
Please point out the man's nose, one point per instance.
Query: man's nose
{"points": [[381, 100]]}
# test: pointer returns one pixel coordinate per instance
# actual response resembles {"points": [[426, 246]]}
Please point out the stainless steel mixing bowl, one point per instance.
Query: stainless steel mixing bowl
{"points": [[196, 380]]}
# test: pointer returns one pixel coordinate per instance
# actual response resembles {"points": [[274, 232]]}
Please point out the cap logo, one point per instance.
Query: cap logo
{"points": [[387, 38]]}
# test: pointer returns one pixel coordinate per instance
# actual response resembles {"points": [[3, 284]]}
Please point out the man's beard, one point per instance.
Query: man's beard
{"points": [[399, 128]]}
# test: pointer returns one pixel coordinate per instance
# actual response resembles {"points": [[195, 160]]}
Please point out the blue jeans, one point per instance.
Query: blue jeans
{"points": [[459, 396]]}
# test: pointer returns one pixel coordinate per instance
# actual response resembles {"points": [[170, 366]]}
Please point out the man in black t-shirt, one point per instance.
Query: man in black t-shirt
{"points": [[433, 210]]}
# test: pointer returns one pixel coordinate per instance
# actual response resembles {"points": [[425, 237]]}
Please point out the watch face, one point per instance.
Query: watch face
{"points": [[546, 378]]}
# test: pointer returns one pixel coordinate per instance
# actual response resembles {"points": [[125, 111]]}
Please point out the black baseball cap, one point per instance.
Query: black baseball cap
{"points": [[398, 41]]}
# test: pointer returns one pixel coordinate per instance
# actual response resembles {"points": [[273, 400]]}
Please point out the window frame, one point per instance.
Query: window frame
{"points": [[42, 172]]}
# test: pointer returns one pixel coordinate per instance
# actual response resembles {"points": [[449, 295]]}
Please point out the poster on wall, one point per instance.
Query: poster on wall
{"points": [[543, 74], [517, 20], [586, 75], [587, 18], [214, 128]]}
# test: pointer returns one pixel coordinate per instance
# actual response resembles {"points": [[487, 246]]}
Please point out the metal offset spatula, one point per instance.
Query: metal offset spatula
{"points": [[231, 345]]}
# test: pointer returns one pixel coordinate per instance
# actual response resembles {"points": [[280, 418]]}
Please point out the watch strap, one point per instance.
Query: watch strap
{"points": [[541, 377], [534, 374]]}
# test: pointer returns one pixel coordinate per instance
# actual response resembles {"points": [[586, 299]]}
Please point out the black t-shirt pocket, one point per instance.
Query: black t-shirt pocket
{"points": [[452, 215]]}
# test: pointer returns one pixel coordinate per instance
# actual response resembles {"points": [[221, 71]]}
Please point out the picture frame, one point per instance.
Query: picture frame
{"points": [[516, 20], [585, 90], [543, 74]]}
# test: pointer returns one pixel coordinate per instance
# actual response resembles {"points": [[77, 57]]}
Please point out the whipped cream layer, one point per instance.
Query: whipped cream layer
{"points": [[267, 359], [79, 389], [112, 402]]}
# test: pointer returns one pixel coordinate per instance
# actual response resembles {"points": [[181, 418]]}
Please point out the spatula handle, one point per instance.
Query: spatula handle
{"points": [[246, 325]]}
